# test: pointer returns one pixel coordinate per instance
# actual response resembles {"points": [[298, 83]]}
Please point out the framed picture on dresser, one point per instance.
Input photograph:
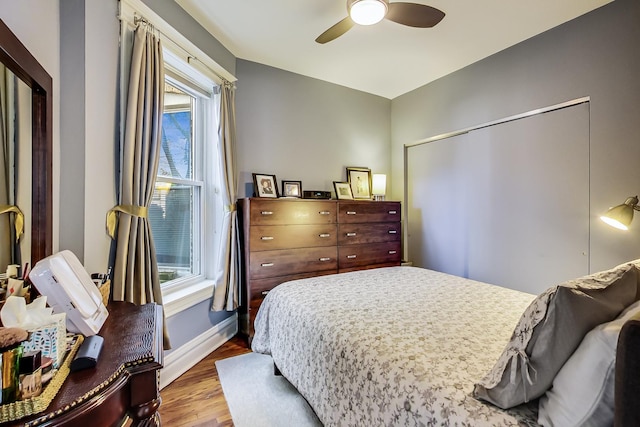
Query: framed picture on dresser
{"points": [[265, 185], [360, 181], [343, 190], [291, 188]]}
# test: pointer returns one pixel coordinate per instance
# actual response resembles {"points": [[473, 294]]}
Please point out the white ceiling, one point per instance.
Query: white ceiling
{"points": [[386, 59]]}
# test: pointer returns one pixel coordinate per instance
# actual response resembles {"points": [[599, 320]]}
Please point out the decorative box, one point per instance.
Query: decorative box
{"points": [[50, 339]]}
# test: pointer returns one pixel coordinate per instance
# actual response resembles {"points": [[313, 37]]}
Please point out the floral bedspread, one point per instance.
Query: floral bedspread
{"points": [[397, 346]]}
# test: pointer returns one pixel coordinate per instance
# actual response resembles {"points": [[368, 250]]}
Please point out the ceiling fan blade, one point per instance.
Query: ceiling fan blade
{"points": [[336, 31], [414, 15]]}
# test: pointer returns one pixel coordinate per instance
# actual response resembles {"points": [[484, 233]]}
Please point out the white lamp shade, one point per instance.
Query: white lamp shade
{"points": [[367, 12], [379, 184]]}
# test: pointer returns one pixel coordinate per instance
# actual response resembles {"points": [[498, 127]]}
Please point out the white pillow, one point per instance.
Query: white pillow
{"points": [[582, 392]]}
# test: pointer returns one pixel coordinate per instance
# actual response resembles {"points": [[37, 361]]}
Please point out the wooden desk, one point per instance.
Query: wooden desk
{"points": [[123, 384]]}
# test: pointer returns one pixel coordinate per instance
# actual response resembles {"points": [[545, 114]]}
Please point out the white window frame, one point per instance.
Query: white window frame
{"points": [[181, 294], [196, 182]]}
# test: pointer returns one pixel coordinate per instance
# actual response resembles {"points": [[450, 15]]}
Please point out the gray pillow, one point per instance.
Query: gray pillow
{"points": [[550, 330]]}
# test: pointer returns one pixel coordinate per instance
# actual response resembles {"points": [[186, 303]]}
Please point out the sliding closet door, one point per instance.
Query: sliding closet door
{"points": [[507, 204]]}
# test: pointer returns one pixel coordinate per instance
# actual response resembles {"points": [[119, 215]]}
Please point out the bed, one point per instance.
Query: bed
{"points": [[406, 346]]}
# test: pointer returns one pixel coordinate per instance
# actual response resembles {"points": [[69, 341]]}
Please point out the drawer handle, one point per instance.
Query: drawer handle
{"points": [[351, 212], [266, 213], [264, 293], [323, 259], [392, 252], [266, 264], [324, 213], [393, 231], [351, 256], [323, 235], [392, 212], [351, 234], [271, 238]]}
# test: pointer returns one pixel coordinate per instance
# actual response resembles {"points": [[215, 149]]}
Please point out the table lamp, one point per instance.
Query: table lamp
{"points": [[379, 186]]}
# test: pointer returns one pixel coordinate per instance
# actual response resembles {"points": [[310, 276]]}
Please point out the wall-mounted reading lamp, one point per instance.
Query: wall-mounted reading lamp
{"points": [[621, 216]]}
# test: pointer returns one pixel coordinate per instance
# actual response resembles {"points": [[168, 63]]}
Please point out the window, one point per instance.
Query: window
{"points": [[182, 206]]}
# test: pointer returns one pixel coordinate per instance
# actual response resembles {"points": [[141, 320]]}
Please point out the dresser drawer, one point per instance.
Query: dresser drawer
{"points": [[269, 237], [354, 212], [292, 261], [374, 253], [280, 212], [260, 287], [377, 232]]}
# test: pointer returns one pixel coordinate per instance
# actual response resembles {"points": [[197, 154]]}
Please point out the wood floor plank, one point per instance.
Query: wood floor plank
{"points": [[195, 399]]}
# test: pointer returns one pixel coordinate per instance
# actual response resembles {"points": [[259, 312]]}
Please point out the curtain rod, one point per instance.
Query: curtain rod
{"points": [[139, 17]]}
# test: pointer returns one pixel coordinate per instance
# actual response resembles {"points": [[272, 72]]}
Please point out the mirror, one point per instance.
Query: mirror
{"points": [[18, 60], [15, 168]]}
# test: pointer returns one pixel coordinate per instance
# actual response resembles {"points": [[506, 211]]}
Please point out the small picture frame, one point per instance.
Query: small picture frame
{"points": [[265, 185], [343, 190], [360, 181], [291, 188]]}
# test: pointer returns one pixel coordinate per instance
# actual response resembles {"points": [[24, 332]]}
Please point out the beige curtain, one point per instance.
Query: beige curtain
{"points": [[226, 294], [135, 277]]}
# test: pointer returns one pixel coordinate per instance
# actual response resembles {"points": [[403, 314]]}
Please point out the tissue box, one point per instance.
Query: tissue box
{"points": [[51, 339]]}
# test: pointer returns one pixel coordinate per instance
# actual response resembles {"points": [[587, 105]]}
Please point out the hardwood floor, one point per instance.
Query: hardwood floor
{"points": [[195, 398]]}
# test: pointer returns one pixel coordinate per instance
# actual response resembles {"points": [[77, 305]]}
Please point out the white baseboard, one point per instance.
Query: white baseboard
{"points": [[186, 356]]}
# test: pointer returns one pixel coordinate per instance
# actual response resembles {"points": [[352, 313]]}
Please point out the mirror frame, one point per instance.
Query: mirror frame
{"points": [[17, 58]]}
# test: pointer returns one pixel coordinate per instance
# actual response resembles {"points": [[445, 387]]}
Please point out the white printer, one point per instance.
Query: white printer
{"points": [[69, 289]]}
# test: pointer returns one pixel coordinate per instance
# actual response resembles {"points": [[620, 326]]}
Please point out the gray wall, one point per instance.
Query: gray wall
{"points": [[303, 129], [88, 126], [73, 129], [596, 55]]}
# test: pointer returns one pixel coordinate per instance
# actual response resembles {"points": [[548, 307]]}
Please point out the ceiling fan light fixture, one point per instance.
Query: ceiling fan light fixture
{"points": [[367, 12]]}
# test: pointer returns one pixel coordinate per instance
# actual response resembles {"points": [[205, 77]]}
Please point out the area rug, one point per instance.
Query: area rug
{"points": [[258, 398]]}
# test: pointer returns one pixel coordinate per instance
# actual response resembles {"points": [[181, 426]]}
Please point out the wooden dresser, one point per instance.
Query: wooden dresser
{"points": [[287, 239], [123, 387]]}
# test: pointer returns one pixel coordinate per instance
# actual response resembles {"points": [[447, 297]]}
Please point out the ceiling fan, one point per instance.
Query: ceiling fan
{"points": [[369, 12]]}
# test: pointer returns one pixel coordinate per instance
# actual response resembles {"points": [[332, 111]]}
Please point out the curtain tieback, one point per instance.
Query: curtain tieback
{"points": [[230, 208], [19, 221], [112, 217]]}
